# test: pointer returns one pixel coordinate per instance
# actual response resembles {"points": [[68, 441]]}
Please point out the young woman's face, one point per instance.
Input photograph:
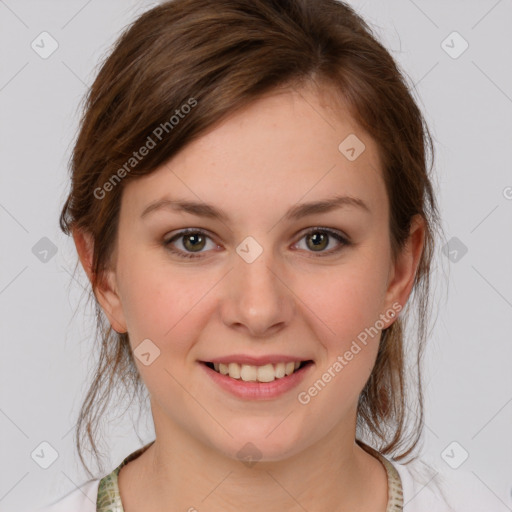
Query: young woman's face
{"points": [[268, 280]]}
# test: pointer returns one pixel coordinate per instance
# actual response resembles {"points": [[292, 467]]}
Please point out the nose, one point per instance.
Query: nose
{"points": [[257, 297]]}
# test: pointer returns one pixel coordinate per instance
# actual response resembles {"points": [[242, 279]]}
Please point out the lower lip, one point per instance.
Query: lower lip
{"points": [[258, 390]]}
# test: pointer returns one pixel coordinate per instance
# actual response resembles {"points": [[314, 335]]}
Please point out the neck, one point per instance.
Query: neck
{"points": [[178, 472]]}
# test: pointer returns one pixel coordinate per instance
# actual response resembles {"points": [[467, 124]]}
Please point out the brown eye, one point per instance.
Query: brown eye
{"points": [[192, 241], [317, 239]]}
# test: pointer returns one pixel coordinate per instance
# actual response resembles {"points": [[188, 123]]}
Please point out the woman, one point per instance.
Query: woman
{"points": [[251, 202]]}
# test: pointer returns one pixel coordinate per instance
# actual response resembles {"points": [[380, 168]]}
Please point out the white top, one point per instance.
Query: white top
{"points": [[425, 489]]}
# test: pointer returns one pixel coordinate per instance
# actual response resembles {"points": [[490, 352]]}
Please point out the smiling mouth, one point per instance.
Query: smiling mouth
{"points": [[265, 373]]}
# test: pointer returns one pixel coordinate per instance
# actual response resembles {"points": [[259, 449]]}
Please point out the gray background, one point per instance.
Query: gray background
{"points": [[46, 351]]}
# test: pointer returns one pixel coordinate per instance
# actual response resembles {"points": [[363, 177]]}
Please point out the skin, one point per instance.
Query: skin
{"points": [[279, 151]]}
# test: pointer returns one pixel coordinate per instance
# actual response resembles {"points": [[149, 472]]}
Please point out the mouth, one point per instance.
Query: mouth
{"points": [[263, 373]]}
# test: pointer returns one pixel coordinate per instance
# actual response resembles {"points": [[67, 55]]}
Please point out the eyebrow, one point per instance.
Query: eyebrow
{"points": [[294, 213]]}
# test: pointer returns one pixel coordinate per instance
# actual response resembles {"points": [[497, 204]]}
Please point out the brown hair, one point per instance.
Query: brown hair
{"points": [[220, 56]]}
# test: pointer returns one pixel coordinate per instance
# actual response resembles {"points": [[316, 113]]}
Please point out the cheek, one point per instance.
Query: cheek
{"points": [[159, 304], [349, 299], [346, 304], [165, 308], [346, 310]]}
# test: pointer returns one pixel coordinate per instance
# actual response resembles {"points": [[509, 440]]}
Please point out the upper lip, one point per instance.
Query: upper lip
{"points": [[256, 360]]}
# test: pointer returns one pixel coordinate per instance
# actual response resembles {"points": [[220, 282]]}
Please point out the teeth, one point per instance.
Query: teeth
{"points": [[250, 373], [266, 373], [234, 370], [280, 373]]}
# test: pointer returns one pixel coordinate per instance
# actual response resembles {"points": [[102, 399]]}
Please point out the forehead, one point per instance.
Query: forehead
{"points": [[283, 148]]}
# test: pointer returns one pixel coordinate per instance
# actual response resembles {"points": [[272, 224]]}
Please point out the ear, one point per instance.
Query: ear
{"points": [[403, 271], [106, 291]]}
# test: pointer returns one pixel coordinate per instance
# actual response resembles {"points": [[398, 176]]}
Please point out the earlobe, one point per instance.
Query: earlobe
{"points": [[405, 268], [108, 296], [105, 290]]}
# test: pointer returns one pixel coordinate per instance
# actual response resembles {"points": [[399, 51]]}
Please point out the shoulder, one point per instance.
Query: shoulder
{"points": [[428, 487], [82, 499]]}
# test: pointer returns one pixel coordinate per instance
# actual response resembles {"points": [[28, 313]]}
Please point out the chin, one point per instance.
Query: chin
{"points": [[263, 444]]}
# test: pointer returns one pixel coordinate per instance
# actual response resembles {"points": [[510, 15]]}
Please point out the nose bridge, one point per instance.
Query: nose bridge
{"points": [[254, 272]]}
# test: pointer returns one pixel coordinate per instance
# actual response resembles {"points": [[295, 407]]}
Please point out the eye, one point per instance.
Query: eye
{"points": [[317, 239], [194, 240]]}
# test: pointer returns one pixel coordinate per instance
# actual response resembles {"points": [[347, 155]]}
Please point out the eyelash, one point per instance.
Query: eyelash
{"points": [[344, 241]]}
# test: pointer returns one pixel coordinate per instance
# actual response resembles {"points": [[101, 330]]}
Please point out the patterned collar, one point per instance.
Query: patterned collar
{"points": [[395, 491], [109, 499]]}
